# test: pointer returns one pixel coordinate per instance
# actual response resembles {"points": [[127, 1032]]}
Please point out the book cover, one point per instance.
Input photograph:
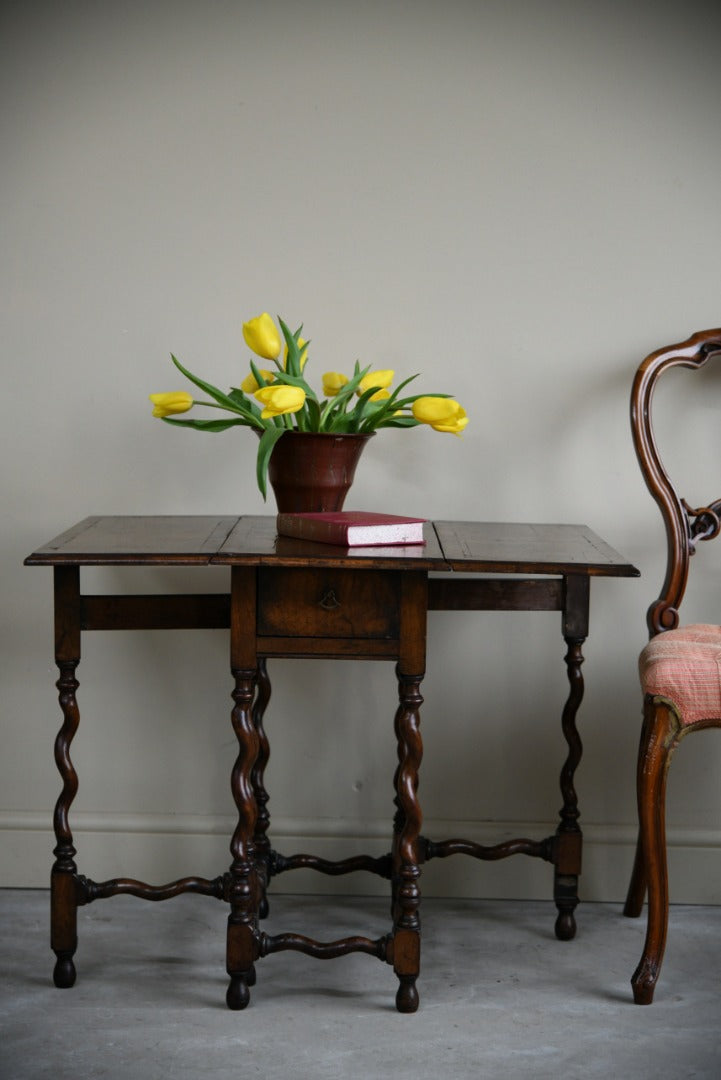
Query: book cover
{"points": [[352, 528]]}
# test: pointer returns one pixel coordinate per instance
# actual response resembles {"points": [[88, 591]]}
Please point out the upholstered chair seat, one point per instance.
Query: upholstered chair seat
{"points": [[684, 666]]}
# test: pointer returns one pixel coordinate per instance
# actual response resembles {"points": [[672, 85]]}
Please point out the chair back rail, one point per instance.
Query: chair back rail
{"points": [[684, 525]]}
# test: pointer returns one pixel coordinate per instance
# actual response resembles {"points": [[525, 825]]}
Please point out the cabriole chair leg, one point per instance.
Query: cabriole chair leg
{"points": [[661, 728]]}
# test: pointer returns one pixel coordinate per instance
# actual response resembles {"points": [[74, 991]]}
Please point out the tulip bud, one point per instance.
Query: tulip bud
{"points": [[442, 414], [262, 336], [280, 399], [333, 383], [174, 402]]}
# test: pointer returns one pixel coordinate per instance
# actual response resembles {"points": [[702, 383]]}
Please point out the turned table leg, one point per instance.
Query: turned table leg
{"points": [[63, 878], [242, 938], [568, 839], [406, 943], [261, 842], [243, 889]]}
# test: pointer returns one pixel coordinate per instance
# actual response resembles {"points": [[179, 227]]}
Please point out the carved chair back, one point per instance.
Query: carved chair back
{"points": [[685, 526]]}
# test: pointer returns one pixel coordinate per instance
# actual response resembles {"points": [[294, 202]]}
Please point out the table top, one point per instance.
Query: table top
{"points": [[252, 540]]}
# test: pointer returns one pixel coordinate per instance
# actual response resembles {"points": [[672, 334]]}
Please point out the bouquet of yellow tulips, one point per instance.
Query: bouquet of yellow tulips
{"points": [[278, 400]]}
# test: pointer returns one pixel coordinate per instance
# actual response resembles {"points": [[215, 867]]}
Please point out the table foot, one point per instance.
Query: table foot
{"points": [[407, 995], [64, 971], [566, 896], [565, 926], [238, 994]]}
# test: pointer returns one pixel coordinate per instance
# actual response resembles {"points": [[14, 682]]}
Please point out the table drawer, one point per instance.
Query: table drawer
{"points": [[328, 603]]}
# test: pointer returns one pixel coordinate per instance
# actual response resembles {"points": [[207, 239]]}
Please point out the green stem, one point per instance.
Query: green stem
{"points": [[216, 405]]}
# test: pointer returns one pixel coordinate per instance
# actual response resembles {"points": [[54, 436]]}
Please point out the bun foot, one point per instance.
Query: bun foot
{"points": [[64, 972], [407, 996], [237, 995], [565, 926]]}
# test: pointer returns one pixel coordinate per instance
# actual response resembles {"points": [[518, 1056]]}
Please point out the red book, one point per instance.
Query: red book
{"points": [[352, 528]]}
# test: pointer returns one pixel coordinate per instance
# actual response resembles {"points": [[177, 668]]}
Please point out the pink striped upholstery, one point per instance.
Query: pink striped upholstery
{"points": [[685, 666]]}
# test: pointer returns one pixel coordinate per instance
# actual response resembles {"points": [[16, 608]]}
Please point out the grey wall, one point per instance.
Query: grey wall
{"points": [[518, 200]]}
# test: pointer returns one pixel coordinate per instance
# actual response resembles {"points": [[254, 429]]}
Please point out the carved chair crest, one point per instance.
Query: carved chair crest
{"points": [[685, 526]]}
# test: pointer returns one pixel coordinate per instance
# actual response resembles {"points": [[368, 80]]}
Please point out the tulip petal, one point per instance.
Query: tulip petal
{"points": [[250, 384], [378, 379]]}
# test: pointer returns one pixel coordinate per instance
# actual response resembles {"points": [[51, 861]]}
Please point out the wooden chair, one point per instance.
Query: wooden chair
{"points": [[680, 668]]}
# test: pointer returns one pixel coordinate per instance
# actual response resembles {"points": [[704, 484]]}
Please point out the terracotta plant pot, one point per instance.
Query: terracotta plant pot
{"points": [[313, 472]]}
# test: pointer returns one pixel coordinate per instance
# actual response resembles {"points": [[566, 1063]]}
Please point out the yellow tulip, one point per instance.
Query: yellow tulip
{"points": [[379, 379], [250, 384], [262, 336], [175, 402], [333, 383], [303, 354], [442, 414], [280, 399]]}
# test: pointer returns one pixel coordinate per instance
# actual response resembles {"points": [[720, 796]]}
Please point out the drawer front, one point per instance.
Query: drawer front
{"points": [[328, 603]]}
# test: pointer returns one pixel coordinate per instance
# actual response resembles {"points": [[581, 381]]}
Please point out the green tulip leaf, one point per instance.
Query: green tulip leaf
{"points": [[267, 441], [314, 414], [400, 422], [206, 425], [285, 379], [258, 375], [208, 388], [295, 352]]}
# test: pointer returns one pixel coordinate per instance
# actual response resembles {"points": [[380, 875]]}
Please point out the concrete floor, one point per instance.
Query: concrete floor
{"points": [[500, 997]]}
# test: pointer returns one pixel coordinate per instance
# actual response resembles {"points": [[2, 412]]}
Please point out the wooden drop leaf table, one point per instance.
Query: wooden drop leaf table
{"points": [[293, 598]]}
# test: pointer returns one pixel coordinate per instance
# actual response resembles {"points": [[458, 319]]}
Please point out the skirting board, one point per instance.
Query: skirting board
{"points": [[160, 848]]}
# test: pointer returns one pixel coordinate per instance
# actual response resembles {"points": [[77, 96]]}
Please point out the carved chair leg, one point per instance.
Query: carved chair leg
{"points": [[661, 733], [637, 885]]}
